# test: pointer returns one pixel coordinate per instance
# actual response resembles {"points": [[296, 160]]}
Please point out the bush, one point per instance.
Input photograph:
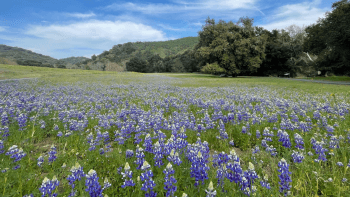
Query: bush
{"points": [[213, 69]]}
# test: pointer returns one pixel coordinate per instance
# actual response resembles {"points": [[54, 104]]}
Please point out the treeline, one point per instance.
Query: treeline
{"points": [[122, 53], [185, 62], [243, 49]]}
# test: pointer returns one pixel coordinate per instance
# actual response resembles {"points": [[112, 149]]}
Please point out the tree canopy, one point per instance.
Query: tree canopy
{"points": [[237, 49]]}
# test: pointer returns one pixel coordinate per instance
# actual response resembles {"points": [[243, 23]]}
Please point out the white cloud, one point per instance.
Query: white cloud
{"points": [[305, 13], [80, 15], [79, 38], [88, 56], [146, 8], [198, 24], [180, 6], [2, 28], [116, 31], [167, 27]]}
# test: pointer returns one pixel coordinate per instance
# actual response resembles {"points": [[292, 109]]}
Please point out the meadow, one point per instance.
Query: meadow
{"points": [[94, 133]]}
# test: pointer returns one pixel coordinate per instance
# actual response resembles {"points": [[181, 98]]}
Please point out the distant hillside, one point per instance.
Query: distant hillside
{"points": [[16, 55], [21, 55], [116, 58], [167, 48], [74, 60]]}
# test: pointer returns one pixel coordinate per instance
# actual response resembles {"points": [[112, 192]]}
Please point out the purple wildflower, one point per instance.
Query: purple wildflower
{"points": [[148, 184], [148, 143], [127, 176], [129, 153], [52, 154], [77, 174], [92, 184], [210, 192], [40, 160], [234, 169], [199, 168], [284, 138], [169, 180], [299, 141], [264, 182], [174, 157], [140, 157], [157, 150], [297, 157], [48, 186], [284, 177]]}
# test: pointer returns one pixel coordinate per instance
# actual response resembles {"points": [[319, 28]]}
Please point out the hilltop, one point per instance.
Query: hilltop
{"points": [[117, 57], [74, 60], [21, 56]]}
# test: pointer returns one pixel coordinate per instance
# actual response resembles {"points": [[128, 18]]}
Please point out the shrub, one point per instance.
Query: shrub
{"points": [[213, 68]]}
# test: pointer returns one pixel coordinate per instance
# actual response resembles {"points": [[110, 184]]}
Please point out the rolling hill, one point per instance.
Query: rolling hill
{"points": [[113, 60]]}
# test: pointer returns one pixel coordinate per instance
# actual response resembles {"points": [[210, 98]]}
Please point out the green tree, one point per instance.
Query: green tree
{"points": [[93, 57], [213, 68], [330, 39], [189, 61], [278, 52], [337, 29], [315, 41], [155, 64], [235, 48], [137, 64]]}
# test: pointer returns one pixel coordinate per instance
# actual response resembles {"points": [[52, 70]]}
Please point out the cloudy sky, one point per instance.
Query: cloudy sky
{"points": [[65, 28]]}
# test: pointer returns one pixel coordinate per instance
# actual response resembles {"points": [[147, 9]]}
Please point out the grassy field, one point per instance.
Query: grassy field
{"points": [[332, 78], [183, 79], [247, 135]]}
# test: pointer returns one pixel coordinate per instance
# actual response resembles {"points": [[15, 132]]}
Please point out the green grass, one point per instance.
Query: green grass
{"points": [[187, 79], [332, 78], [65, 75], [198, 80]]}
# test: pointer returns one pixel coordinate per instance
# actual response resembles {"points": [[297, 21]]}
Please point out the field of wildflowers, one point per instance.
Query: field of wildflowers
{"points": [[157, 137]]}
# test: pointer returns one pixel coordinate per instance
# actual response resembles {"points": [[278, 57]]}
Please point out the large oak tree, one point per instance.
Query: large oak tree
{"points": [[235, 47]]}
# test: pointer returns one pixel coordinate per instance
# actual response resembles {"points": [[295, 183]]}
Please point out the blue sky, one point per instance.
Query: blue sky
{"points": [[65, 28]]}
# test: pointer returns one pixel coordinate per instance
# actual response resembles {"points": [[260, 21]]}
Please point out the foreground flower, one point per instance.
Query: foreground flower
{"points": [[148, 184], [52, 154], [234, 169], [174, 157], [139, 157], [106, 184], [16, 154], [129, 153], [48, 186], [284, 177], [1, 147], [92, 184], [299, 141], [211, 192], [199, 169], [297, 157], [250, 175], [169, 180], [77, 174], [158, 154], [127, 176], [264, 182]]}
